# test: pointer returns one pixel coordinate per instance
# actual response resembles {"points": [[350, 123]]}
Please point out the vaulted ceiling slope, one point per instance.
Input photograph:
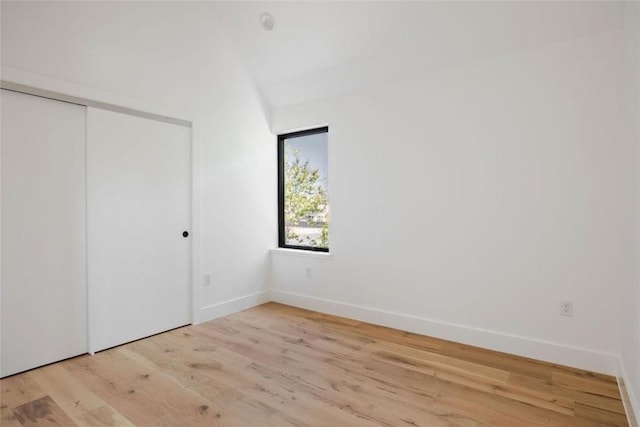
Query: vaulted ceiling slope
{"points": [[323, 49], [318, 49]]}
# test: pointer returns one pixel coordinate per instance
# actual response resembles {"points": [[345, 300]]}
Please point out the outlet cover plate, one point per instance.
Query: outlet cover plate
{"points": [[566, 308]]}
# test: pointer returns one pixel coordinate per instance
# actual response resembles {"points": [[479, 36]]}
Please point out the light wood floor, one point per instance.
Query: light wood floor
{"points": [[276, 365]]}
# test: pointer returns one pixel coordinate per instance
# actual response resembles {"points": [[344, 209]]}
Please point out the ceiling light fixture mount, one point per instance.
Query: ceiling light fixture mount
{"points": [[267, 21]]}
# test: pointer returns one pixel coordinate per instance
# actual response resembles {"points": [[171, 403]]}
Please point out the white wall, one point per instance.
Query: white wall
{"points": [[630, 369], [175, 56], [480, 197]]}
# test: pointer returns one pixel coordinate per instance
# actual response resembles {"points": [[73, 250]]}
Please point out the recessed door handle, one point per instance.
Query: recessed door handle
{"points": [[185, 234]]}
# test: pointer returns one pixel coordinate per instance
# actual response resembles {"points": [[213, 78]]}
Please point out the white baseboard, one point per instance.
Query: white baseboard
{"points": [[536, 349], [231, 306], [629, 399]]}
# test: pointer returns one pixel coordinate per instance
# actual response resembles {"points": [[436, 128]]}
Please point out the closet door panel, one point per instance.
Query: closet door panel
{"points": [[138, 208], [43, 294]]}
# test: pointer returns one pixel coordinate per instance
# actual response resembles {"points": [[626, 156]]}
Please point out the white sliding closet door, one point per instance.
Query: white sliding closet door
{"points": [[138, 195], [43, 295]]}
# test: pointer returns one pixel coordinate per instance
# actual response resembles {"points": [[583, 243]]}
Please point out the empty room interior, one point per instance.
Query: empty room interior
{"points": [[314, 213]]}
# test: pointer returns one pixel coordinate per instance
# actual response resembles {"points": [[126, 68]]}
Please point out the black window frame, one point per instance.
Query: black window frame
{"points": [[282, 243]]}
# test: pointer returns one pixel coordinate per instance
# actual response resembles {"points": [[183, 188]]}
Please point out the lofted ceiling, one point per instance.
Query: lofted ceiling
{"points": [[318, 49], [322, 49]]}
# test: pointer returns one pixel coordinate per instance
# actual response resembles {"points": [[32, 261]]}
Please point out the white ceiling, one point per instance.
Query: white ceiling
{"points": [[322, 49], [317, 49]]}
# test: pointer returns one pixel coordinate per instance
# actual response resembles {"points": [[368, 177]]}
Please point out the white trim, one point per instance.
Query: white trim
{"points": [[46, 83], [231, 306], [30, 90], [537, 349], [196, 220], [91, 347], [301, 253], [629, 400]]}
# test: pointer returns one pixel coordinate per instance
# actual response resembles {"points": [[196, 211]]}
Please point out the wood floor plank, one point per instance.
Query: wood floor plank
{"points": [[507, 362], [140, 394], [486, 408], [317, 352], [200, 371], [42, 412], [599, 416], [302, 379], [8, 418], [601, 402], [20, 389], [75, 399], [103, 416], [276, 365], [588, 385], [330, 384], [442, 362]]}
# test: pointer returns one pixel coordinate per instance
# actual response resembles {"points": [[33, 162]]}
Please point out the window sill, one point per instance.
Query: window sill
{"points": [[301, 253]]}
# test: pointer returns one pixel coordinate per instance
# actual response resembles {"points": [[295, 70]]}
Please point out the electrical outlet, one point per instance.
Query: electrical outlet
{"points": [[308, 272], [566, 308], [206, 280]]}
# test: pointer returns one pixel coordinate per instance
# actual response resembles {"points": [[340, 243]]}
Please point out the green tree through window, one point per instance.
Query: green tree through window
{"points": [[303, 200]]}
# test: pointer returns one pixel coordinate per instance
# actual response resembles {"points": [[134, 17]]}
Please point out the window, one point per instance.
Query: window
{"points": [[303, 202]]}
